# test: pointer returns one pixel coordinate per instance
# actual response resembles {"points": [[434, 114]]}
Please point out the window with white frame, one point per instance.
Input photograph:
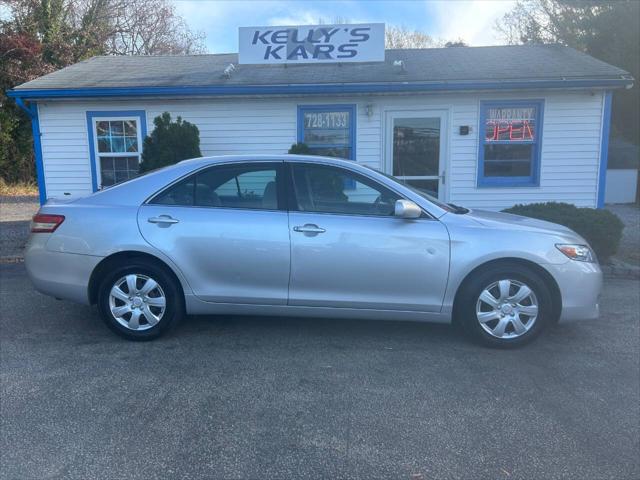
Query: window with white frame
{"points": [[118, 147]]}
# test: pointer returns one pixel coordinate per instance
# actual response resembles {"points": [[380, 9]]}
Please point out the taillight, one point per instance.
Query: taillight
{"points": [[43, 223]]}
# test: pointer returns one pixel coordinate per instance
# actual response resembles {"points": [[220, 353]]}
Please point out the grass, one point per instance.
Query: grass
{"points": [[18, 189]]}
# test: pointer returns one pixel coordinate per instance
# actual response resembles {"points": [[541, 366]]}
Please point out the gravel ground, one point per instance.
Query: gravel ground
{"points": [[15, 214], [630, 245], [247, 398]]}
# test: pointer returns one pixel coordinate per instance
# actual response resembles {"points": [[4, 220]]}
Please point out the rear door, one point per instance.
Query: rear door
{"points": [[349, 250], [226, 228]]}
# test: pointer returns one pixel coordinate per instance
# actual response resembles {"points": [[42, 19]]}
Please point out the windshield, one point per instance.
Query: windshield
{"points": [[422, 193]]}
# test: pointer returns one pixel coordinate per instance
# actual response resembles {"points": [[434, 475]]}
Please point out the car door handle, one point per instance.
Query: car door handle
{"points": [[163, 219], [308, 228]]}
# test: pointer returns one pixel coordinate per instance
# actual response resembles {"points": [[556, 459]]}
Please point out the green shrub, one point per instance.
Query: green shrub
{"points": [[169, 143], [601, 228], [300, 149]]}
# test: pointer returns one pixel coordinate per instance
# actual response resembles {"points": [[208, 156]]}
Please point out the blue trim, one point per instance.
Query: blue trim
{"points": [[32, 111], [142, 116], [314, 88], [604, 148], [504, 182]]}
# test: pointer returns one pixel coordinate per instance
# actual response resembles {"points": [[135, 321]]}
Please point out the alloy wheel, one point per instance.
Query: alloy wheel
{"points": [[137, 302], [507, 309]]}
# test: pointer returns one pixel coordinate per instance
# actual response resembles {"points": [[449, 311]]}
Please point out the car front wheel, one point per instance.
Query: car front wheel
{"points": [[505, 306], [140, 301]]}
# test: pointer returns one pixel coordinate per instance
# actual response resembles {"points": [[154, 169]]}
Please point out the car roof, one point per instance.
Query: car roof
{"points": [[210, 160]]}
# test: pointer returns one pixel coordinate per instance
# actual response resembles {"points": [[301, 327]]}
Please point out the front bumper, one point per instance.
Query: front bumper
{"points": [[580, 285], [61, 275]]}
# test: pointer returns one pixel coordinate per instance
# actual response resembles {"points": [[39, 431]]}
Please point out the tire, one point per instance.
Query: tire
{"points": [[141, 315], [495, 318]]}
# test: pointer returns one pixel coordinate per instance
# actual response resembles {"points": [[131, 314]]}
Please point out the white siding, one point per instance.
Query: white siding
{"points": [[570, 143]]}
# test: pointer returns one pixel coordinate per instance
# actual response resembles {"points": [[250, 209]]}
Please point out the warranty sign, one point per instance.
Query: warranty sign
{"points": [[312, 44]]}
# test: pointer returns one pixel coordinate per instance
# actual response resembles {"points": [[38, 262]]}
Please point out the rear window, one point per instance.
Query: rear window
{"points": [[241, 186]]}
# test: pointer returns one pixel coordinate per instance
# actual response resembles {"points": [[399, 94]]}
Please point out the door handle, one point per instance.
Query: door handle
{"points": [[163, 219], [309, 228]]}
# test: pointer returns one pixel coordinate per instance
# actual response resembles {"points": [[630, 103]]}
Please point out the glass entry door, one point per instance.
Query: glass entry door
{"points": [[415, 149]]}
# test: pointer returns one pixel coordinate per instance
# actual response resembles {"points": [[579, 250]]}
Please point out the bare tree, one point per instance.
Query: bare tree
{"points": [[564, 21], [75, 29], [401, 37], [150, 27]]}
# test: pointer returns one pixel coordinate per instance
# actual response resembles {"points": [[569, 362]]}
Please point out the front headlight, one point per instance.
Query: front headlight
{"points": [[581, 253]]}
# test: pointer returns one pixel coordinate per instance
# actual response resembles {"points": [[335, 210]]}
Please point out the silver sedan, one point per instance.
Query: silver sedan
{"points": [[305, 236]]}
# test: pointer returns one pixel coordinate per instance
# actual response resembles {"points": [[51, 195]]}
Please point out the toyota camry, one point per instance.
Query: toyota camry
{"points": [[305, 236]]}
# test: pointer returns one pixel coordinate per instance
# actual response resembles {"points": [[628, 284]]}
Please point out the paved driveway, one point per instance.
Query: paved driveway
{"points": [[288, 398], [629, 250], [15, 214]]}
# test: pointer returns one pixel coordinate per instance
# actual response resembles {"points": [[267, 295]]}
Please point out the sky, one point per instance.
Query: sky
{"points": [[469, 20]]}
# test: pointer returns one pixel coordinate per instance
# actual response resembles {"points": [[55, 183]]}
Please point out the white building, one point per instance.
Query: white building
{"points": [[483, 127]]}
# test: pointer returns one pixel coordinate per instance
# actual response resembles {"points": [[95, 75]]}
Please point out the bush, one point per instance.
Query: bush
{"points": [[17, 163], [300, 149], [169, 143], [601, 228]]}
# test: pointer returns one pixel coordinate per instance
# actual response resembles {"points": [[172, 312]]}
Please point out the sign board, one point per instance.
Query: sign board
{"points": [[312, 44], [511, 124]]}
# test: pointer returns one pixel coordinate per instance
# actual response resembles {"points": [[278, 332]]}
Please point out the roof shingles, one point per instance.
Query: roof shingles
{"points": [[473, 64]]}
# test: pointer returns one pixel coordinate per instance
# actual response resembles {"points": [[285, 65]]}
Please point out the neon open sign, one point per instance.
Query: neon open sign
{"points": [[510, 124]]}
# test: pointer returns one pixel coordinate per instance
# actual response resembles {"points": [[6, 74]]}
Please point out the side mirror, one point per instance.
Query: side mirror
{"points": [[407, 209]]}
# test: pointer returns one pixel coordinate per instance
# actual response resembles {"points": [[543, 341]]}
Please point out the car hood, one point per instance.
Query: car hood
{"points": [[517, 222]]}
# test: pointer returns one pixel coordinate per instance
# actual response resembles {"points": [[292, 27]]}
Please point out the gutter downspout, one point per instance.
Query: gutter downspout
{"points": [[604, 148], [32, 110]]}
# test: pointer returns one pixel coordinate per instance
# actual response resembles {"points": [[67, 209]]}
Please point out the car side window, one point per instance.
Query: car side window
{"points": [[241, 186], [180, 194], [238, 187], [326, 189]]}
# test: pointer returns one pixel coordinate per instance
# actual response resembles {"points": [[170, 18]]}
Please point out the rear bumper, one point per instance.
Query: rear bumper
{"points": [[61, 275], [580, 285]]}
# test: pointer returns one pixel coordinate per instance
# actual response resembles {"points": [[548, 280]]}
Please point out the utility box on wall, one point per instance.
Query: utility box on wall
{"points": [[621, 186]]}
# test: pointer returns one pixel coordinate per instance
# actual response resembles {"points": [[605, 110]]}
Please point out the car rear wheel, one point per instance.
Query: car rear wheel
{"points": [[504, 306], [140, 301]]}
